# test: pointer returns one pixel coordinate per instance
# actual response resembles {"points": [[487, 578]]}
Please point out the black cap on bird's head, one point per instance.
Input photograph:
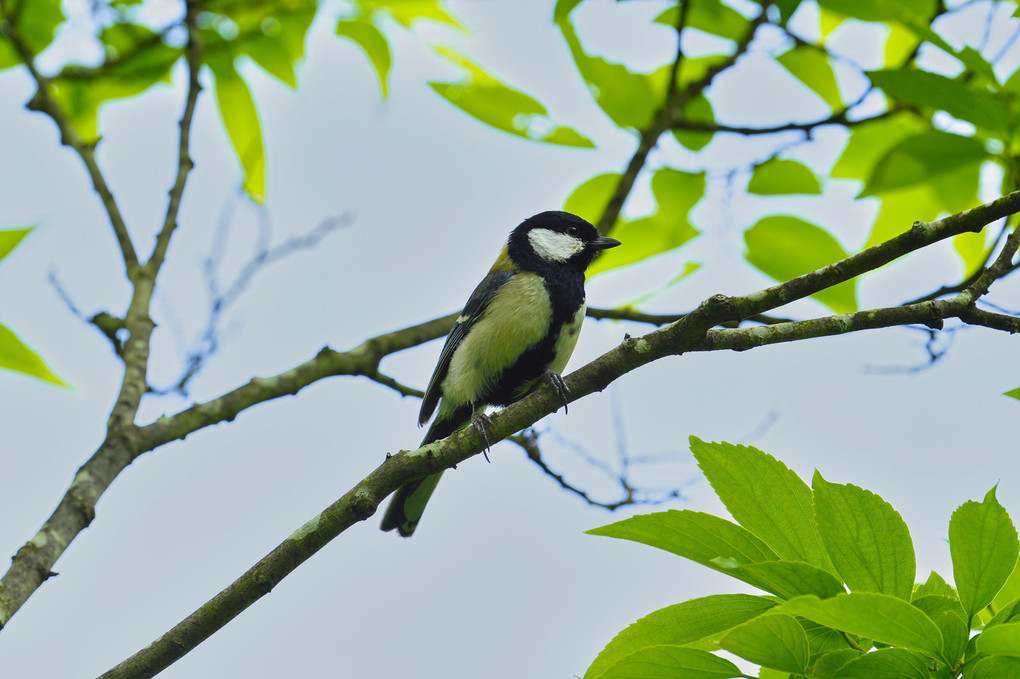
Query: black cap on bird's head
{"points": [[556, 238]]}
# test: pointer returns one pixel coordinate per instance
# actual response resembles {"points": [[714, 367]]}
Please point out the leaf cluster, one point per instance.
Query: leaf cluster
{"points": [[836, 565]]}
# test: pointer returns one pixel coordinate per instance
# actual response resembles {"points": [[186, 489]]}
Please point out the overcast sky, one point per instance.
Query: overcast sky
{"points": [[499, 581]]}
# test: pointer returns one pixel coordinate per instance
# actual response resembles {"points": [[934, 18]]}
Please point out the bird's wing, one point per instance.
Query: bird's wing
{"points": [[473, 310]]}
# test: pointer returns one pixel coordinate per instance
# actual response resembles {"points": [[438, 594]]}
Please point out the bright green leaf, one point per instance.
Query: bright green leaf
{"points": [[826, 666], [680, 624], [955, 634], [487, 99], [995, 667], [811, 66], [934, 605], [676, 193], [765, 497], [710, 16], [922, 158], [822, 639], [776, 641], [698, 110], [373, 43], [703, 538], [869, 142], [769, 673], [672, 662], [923, 88], [38, 21], [237, 110], [935, 585], [984, 546], [1010, 591], [866, 538], [785, 247], [1013, 393], [783, 177], [407, 12], [887, 663], [10, 238], [589, 200], [1009, 612], [881, 617], [16, 356], [788, 579], [1000, 640]]}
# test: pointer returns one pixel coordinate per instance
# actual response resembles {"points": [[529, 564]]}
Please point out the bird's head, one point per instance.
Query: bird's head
{"points": [[556, 239]]}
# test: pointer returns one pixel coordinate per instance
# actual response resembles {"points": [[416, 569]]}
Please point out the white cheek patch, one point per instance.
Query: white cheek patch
{"points": [[553, 245]]}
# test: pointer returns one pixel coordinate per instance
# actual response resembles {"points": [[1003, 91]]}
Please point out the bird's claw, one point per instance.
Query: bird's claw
{"points": [[557, 383], [483, 424]]}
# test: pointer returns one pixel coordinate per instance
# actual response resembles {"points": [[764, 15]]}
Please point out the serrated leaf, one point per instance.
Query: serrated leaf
{"points": [[789, 579], [775, 641], [783, 177], [955, 634], [811, 66], [373, 43], [934, 605], [886, 663], [923, 88], [680, 624], [16, 356], [765, 497], [494, 103], [710, 16], [9, 239], [881, 617], [995, 667], [935, 585], [784, 247], [866, 538], [676, 193], [922, 158], [241, 119], [1000, 640], [984, 547], [671, 662], [700, 537]]}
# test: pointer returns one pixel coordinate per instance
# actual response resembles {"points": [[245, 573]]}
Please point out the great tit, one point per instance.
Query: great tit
{"points": [[519, 325]]}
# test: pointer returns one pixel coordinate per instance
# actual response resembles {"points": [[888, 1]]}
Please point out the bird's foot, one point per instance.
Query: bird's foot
{"points": [[483, 424], [557, 383]]}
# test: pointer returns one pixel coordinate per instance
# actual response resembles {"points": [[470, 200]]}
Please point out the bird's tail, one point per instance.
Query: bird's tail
{"points": [[405, 509]]}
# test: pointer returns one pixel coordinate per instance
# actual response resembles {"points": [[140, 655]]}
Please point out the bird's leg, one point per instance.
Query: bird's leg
{"points": [[483, 424], [557, 383]]}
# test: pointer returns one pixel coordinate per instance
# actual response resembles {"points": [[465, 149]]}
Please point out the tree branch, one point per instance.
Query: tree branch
{"points": [[693, 332]]}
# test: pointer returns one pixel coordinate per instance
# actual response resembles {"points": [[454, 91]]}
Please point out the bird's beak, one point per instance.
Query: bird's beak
{"points": [[604, 243]]}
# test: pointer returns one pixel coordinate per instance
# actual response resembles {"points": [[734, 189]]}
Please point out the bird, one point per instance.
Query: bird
{"points": [[518, 329]]}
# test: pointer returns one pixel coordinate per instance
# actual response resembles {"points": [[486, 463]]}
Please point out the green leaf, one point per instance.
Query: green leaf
{"points": [[680, 624], [879, 10], [789, 579], [629, 99], [984, 547], [9, 239], [700, 537], [710, 16], [1009, 612], [407, 12], [955, 634], [783, 177], [935, 585], [822, 639], [1010, 591], [1000, 640], [697, 110], [934, 605], [866, 538], [589, 200], [676, 193], [995, 667], [785, 247], [923, 158], [776, 641], [1013, 393], [869, 142], [373, 43], [237, 110], [881, 617], [811, 66], [483, 97], [922, 88], [826, 666], [37, 22], [891, 663], [277, 42], [672, 662], [765, 497], [16, 356]]}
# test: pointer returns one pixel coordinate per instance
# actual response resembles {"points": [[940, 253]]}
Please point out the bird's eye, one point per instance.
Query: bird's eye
{"points": [[573, 230]]}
